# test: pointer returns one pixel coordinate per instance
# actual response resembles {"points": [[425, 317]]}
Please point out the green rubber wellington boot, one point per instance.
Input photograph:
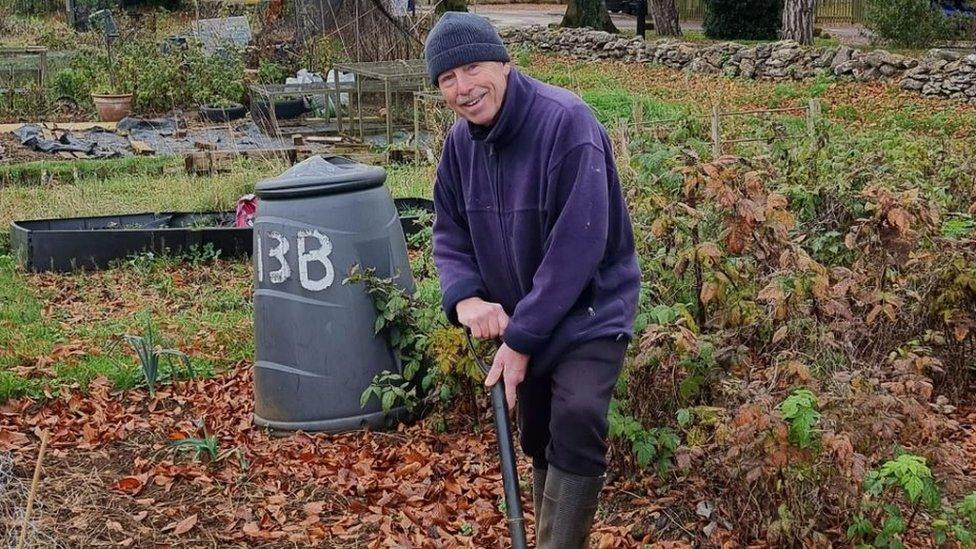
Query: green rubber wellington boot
{"points": [[567, 510]]}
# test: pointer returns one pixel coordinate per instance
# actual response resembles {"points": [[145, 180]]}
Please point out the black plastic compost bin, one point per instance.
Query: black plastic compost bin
{"points": [[315, 346]]}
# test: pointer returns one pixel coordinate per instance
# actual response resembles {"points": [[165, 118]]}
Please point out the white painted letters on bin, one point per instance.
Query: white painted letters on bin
{"points": [[321, 255], [278, 252]]}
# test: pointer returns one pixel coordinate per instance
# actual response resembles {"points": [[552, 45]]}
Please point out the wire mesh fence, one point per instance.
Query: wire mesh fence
{"points": [[364, 30]]}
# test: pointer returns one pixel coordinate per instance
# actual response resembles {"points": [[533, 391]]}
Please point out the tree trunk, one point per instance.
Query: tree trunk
{"points": [[588, 13], [798, 21], [665, 16]]}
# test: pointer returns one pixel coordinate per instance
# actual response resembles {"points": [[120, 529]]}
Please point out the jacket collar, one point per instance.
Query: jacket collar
{"points": [[515, 109]]}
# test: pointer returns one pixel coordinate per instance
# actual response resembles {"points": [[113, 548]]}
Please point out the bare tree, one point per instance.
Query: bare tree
{"points": [[798, 21], [665, 16], [588, 13]]}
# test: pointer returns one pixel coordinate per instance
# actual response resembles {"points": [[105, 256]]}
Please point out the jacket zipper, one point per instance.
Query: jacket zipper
{"points": [[499, 197]]}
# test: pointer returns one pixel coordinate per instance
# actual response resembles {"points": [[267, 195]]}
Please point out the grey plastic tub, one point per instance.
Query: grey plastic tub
{"points": [[315, 347]]}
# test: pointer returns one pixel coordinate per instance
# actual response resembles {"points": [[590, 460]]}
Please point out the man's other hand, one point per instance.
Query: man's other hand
{"points": [[511, 365], [486, 320]]}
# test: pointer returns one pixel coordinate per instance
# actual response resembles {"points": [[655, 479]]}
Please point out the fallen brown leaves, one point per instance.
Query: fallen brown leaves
{"points": [[113, 477]]}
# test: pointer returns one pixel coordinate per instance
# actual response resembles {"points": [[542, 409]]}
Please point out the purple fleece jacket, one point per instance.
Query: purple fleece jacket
{"points": [[529, 214]]}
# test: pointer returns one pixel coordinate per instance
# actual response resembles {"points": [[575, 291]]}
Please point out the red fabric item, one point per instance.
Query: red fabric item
{"points": [[247, 206]]}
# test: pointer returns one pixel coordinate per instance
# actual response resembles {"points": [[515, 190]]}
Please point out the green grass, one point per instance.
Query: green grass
{"points": [[207, 317], [23, 330], [578, 77], [409, 180], [121, 192], [609, 105], [74, 171], [121, 371]]}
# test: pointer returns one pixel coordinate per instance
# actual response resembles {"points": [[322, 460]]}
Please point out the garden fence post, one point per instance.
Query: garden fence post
{"points": [[359, 104], [716, 133], [813, 114], [389, 111], [624, 150], [338, 100], [69, 10], [416, 128]]}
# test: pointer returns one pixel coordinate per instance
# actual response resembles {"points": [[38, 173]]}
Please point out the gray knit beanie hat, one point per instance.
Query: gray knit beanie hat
{"points": [[460, 38]]}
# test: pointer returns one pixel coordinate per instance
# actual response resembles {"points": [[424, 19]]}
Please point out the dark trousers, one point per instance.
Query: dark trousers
{"points": [[563, 412]]}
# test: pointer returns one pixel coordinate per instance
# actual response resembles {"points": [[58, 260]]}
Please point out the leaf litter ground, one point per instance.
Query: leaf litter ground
{"points": [[112, 476]]}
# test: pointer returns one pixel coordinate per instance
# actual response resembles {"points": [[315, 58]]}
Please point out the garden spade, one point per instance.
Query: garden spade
{"points": [[506, 455]]}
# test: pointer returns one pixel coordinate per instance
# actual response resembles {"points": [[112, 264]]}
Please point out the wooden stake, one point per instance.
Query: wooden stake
{"points": [[416, 129], [624, 145], [813, 113], [716, 134], [33, 491]]}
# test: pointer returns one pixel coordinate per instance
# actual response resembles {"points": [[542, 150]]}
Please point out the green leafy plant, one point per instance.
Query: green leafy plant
{"points": [[160, 78], [151, 355], [700, 370], [800, 412], [435, 364], [216, 80], [198, 254], [907, 478], [959, 522], [906, 23], [653, 447], [70, 83], [396, 319], [910, 474], [205, 445], [270, 72]]}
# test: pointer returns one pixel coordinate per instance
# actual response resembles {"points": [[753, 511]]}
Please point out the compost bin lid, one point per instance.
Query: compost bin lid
{"points": [[321, 175]]}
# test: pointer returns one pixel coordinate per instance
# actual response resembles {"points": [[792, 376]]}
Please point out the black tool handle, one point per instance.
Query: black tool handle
{"points": [[506, 456]]}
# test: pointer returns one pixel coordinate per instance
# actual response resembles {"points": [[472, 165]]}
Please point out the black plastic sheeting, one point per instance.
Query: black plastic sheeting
{"points": [[32, 135], [158, 133]]}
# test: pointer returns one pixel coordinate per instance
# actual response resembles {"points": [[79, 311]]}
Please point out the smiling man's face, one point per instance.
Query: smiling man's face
{"points": [[475, 91]]}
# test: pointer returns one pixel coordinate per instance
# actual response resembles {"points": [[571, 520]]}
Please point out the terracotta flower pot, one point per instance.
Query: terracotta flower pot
{"points": [[112, 107]]}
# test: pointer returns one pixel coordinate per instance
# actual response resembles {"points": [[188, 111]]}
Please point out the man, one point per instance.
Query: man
{"points": [[533, 245]]}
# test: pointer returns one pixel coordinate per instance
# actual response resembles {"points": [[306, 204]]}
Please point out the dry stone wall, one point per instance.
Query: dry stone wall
{"points": [[940, 73]]}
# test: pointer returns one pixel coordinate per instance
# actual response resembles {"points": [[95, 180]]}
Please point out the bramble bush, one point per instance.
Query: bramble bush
{"points": [[159, 80], [804, 311]]}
